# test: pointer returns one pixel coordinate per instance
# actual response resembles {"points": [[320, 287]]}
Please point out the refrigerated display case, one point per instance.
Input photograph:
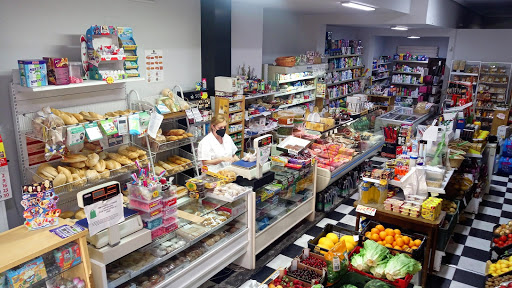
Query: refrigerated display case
{"points": [[211, 235], [399, 116]]}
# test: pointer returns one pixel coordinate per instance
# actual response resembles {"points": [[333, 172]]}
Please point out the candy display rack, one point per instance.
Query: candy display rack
{"points": [[105, 55], [131, 64]]}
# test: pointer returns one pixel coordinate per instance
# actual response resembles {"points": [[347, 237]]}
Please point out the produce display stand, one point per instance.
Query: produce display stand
{"points": [[20, 245], [419, 225]]}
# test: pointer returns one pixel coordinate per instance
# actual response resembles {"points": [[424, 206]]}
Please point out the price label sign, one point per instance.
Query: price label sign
{"points": [[197, 115], [366, 210], [5, 183]]}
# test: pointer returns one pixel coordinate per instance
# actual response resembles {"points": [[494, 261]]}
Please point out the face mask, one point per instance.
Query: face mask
{"points": [[221, 132]]}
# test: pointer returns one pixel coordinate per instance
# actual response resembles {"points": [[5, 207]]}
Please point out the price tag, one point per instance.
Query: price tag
{"points": [[92, 131], [155, 194], [190, 114], [197, 115], [383, 182], [366, 210], [108, 127], [5, 184]]}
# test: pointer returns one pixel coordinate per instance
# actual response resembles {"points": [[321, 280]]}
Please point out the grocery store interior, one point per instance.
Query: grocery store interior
{"points": [[256, 144]]}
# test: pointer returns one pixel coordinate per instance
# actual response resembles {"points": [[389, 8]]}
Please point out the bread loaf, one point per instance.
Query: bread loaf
{"points": [[92, 159], [59, 180], [74, 158]]}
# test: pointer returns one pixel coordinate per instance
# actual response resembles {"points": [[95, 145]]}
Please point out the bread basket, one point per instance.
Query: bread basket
{"points": [[287, 61]]}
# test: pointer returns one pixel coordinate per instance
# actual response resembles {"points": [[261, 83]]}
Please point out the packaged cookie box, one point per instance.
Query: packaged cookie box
{"points": [[27, 274], [169, 201], [170, 225], [170, 211], [33, 73], [144, 205], [152, 222], [157, 211], [157, 232]]}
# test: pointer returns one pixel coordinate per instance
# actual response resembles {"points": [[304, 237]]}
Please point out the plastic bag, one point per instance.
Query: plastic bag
{"points": [[52, 134], [337, 264]]}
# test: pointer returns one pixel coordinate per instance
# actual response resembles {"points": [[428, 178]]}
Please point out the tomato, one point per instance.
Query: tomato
{"points": [[496, 240], [501, 243], [503, 238], [510, 236]]}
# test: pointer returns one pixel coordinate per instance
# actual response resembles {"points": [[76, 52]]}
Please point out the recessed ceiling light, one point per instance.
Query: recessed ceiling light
{"points": [[401, 28], [414, 37], [359, 6]]}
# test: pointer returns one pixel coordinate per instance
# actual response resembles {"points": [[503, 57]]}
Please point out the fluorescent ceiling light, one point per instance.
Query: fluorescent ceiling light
{"points": [[414, 37], [401, 28], [357, 6]]}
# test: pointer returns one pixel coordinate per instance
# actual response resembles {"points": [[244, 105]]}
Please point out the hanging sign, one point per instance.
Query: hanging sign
{"points": [[5, 183]]}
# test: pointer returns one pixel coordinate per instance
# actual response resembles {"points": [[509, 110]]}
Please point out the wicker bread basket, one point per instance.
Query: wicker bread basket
{"points": [[288, 61]]}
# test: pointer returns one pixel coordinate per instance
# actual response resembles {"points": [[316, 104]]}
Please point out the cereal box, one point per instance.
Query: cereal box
{"points": [[32, 73]]}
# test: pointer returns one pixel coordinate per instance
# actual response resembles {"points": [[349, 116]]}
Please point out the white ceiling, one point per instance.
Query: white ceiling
{"points": [[489, 8], [309, 7]]}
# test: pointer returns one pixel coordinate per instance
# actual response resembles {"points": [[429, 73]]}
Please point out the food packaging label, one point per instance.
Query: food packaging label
{"points": [[92, 131], [134, 124], [144, 119], [122, 125], [108, 127], [75, 135]]}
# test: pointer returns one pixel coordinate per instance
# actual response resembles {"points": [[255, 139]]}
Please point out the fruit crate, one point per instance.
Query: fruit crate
{"points": [[445, 232], [329, 228], [313, 255], [488, 265], [416, 254], [497, 253], [398, 283]]}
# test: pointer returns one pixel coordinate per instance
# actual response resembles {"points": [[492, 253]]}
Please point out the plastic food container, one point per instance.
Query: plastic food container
{"points": [[169, 211], [144, 205], [170, 219], [155, 212], [152, 222], [157, 232], [144, 193], [285, 130], [171, 227], [169, 201], [435, 174]]}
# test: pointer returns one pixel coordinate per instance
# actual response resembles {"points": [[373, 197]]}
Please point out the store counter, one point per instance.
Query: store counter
{"points": [[419, 225], [325, 177]]}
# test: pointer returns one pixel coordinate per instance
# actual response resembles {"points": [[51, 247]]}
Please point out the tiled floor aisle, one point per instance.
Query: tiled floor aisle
{"points": [[464, 263]]}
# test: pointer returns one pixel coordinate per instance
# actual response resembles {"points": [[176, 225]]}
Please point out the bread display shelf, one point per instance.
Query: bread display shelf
{"points": [[86, 176], [176, 167]]}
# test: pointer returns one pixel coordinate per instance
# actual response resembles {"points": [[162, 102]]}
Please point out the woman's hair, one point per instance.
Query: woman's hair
{"points": [[217, 119]]}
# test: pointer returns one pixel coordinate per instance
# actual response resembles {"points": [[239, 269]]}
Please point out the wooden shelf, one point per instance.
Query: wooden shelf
{"points": [[344, 56], [20, 245]]}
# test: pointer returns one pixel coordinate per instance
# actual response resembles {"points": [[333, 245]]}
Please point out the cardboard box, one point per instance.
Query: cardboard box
{"points": [[225, 84], [504, 131], [58, 70]]}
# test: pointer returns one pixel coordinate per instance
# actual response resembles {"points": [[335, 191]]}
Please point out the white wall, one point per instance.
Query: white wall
{"points": [[33, 29], [246, 37], [483, 44], [282, 35], [390, 43]]}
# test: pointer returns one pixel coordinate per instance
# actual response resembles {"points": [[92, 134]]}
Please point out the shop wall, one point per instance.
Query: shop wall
{"points": [[390, 43], [33, 29], [282, 35], [246, 37], [483, 44]]}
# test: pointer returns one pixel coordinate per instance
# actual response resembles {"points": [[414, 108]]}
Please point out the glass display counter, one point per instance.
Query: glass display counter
{"points": [[208, 234], [399, 116]]}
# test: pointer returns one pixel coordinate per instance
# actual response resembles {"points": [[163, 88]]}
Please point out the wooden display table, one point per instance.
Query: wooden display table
{"points": [[418, 225], [20, 245]]}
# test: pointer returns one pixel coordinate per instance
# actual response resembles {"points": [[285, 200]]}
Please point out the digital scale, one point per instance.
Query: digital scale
{"points": [[113, 235], [256, 169]]}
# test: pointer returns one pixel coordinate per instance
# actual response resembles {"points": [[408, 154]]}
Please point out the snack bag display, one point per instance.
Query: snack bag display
{"points": [[40, 203]]}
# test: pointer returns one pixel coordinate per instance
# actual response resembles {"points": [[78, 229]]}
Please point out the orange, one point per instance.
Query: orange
{"points": [[375, 237], [394, 243], [397, 231], [397, 248], [388, 245], [414, 247], [389, 239], [390, 232], [382, 235], [380, 227], [368, 234], [405, 247], [398, 236], [400, 242], [375, 231], [417, 242], [406, 240], [380, 242]]}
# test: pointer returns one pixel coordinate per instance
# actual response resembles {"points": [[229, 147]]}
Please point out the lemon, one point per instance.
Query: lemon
{"points": [[494, 274], [348, 239], [333, 237], [326, 242], [350, 246]]}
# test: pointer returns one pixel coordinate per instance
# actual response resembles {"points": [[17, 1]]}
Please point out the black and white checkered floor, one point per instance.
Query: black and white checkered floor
{"points": [[466, 253]]}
